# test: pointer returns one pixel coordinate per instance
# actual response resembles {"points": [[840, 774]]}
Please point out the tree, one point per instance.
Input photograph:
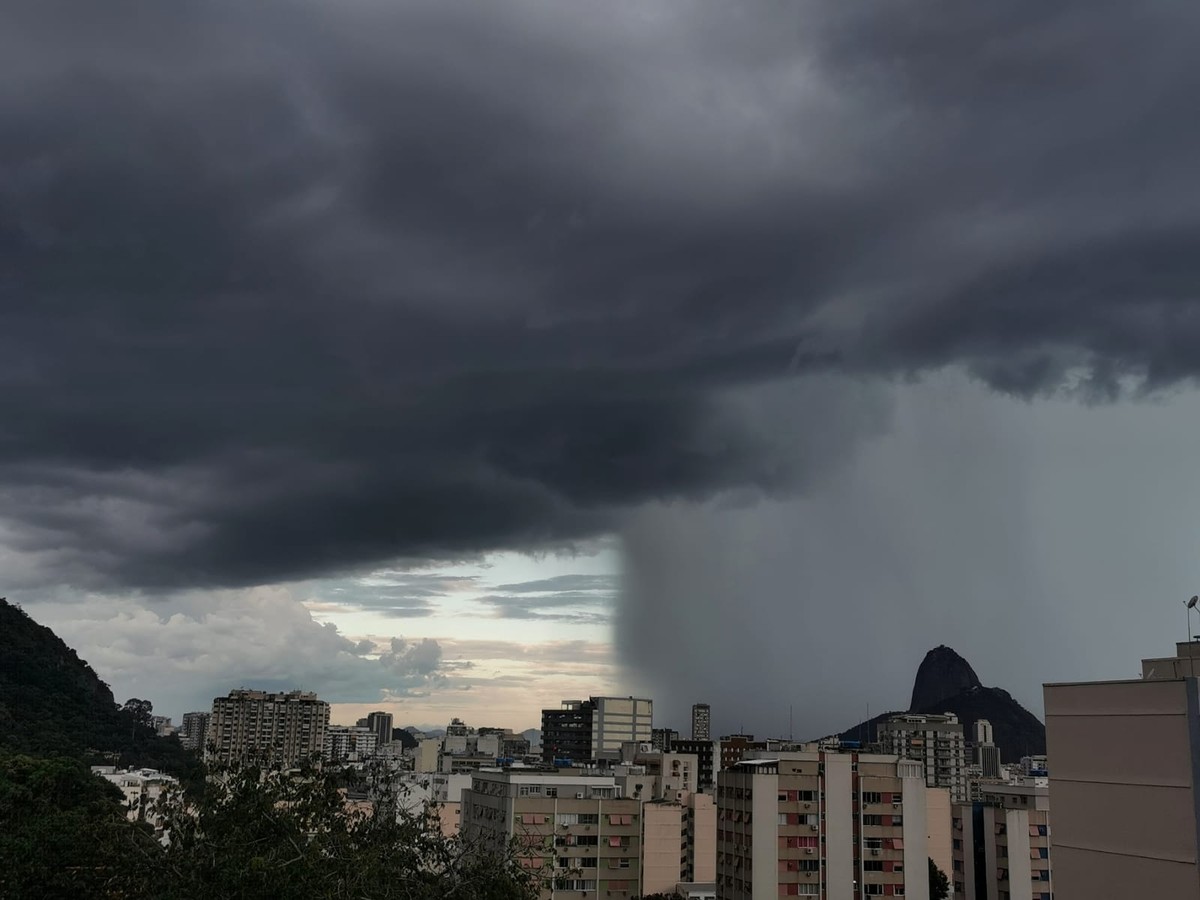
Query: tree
{"points": [[939, 884], [260, 834], [64, 832], [250, 834]]}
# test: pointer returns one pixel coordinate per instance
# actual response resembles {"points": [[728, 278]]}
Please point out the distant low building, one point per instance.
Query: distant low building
{"points": [[141, 789]]}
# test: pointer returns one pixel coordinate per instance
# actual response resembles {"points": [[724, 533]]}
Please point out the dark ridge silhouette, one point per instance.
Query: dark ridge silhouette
{"points": [[946, 683], [53, 704], [942, 674]]}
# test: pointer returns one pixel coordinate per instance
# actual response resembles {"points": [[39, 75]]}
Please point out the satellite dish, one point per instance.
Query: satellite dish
{"points": [[1192, 603]]}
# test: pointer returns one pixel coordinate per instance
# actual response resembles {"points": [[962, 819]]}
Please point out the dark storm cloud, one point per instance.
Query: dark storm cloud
{"points": [[287, 288]]}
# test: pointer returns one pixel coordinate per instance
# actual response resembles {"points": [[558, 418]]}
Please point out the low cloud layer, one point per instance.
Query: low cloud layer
{"points": [[185, 649], [292, 288]]}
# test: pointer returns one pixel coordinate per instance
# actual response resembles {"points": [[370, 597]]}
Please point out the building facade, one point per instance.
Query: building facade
{"points": [[381, 724], [1001, 845], [708, 759], [567, 731], [584, 730], [663, 738], [194, 730], [573, 829], [701, 722], [349, 744], [1124, 781], [276, 729], [834, 825], [937, 742], [679, 843]]}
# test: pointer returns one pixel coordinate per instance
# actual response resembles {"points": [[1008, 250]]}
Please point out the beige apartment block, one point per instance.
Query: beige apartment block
{"points": [[1001, 845], [575, 830], [276, 729], [1124, 770], [938, 837], [679, 843], [822, 823]]}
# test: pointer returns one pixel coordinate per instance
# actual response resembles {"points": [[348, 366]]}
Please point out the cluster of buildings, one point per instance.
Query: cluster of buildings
{"points": [[609, 806]]}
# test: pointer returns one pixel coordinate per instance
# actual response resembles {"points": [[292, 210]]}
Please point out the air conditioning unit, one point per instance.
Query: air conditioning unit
{"points": [[809, 850], [579, 796], [874, 852], [895, 806], [813, 827]]}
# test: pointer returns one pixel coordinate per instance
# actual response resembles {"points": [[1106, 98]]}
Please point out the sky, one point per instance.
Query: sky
{"points": [[458, 358]]}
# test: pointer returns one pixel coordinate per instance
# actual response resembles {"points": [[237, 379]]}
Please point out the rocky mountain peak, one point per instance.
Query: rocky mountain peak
{"points": [[943, 674]]}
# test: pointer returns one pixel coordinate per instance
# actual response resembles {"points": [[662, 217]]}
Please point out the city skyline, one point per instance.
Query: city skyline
{"points": [[778, 332]]}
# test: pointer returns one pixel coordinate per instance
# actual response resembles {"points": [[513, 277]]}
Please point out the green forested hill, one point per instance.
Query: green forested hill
{"points": [[53, 704]]}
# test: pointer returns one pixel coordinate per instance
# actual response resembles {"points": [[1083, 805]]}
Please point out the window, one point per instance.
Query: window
{"points": [[873, 865], [551, 792], [872, 797], [872, 890], [567, 819], [872, 820], [589, 819]]}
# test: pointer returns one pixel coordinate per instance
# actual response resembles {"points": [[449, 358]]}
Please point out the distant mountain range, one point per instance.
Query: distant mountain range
{"points": [[946, 683]]}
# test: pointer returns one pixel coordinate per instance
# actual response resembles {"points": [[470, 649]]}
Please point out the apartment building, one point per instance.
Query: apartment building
{"points": [[583, 730], [381, 724], [349, 744], [985, 754], [141, 789], [735, 746], [276, 729], [575, 830], [934, 740], [1125, 782], [708, 759], [821, 823], [1001, 845], [193, 730], [679, 843], [701, 722], [663, 738]]}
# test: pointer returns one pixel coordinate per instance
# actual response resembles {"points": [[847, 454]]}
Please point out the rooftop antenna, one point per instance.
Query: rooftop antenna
{"points": [[791, 731], [1191, 604]]}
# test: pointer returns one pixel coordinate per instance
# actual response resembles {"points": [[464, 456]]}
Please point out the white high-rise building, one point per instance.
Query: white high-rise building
{"points": [[701, 722], [937, 742], [349, 744]]}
